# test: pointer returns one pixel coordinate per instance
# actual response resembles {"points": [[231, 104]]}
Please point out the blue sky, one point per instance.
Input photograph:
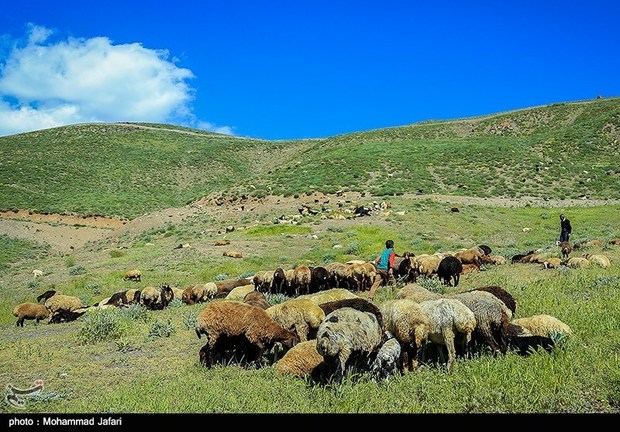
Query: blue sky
{"points": [[298, 69]]}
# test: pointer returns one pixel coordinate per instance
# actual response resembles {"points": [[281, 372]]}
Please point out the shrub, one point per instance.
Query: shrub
{"points": [[161, 329], [189, 319], [432, 284], [32, 284], [354, 248], [134, 312], [76, 270], [175, 303], [221, 276], [274, 299], [101, 326], [94, 287], [116, 253]]}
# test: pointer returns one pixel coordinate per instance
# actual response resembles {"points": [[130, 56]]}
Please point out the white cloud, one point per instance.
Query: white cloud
{"points": [[227, 130], [46, 84]]}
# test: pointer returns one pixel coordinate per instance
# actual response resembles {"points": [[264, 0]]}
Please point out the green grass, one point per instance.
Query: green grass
{"points": [[558, 151], [107, 363], [13, 250]]}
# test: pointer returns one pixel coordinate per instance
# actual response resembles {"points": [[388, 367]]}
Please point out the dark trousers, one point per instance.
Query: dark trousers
{"points": [[564, 236]]}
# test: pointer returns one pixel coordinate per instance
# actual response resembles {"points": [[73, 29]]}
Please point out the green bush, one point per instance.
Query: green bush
{"points": [[161, 329], [100, 326], [116, 253], [134, 312], [77, 270], [189, 319]]}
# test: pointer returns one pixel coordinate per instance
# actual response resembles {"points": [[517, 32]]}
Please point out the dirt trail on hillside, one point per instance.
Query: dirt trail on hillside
{"points": [[65, 233]]}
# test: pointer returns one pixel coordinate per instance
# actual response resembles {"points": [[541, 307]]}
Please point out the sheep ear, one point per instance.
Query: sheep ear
{"points": [[333, 318]]}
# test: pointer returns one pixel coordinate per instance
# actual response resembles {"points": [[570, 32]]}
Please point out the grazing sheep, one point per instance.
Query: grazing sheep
{"points": [[410, 324], [340, 275], [117, 299], [539, 325], [256, 298], [262, 281], [227, 285], [47, 294], [177, 293], [356, 303], [600, 260], [298, 315], [221, 242], [503, 295], [449, 318], [302, 277], [525, 345], [319, 279], [387, 360], [552, 263], [251, 330], [37, 273], [470, 256], [155, 298], [133, 296], [577, 262], [498, 259], [566, 249], [302, 360], [290, 282], [405, 268], [416, 293], [485, 249], [278, 284], [238, 293], [60, 304], [232, 254], [133, 275], [492, 318], [428, 264], [329, 295], [347, 339], [449, 269], [199, 293], [30, 311]]}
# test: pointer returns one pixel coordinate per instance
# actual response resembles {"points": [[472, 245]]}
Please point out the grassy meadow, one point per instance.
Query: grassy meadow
{"points": [[147, 361]]}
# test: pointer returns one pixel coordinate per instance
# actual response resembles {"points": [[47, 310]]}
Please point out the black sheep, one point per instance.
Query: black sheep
{"points": [[450, 268], [278, 285], [319, 279], [46, 295], [485, 249]]}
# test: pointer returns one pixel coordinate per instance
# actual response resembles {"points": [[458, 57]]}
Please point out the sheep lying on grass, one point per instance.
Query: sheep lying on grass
{"points": [[600, 260], [303, 360], [30, 311], [238, 293], [346, 339], [156, 298], [246, 330], [329, 295], [298, 315], [133, 275]]}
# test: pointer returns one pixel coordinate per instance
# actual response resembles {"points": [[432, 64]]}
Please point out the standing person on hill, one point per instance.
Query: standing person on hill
{"points": [[565, 228], [385, 268]]}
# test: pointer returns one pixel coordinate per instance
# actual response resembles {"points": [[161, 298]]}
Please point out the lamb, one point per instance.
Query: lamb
{"points": [[501, 294], [492, 318], [59, 303], [156, 297], [347, 339], [449, 318], [329, 295], [256, 298], [577, 262], [37, 273], [238, 293], [47, 294], [246, 328], [469, 268], [298, 315], [301, 361], [387, 360], [133, 275], [410, 325], [117, 299], [356, 303], [450, 269], [30, 311], [416, 293], [600, 260]]}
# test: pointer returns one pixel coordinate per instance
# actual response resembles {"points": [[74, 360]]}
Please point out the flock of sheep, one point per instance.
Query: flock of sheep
{"points": [[326, 330]]}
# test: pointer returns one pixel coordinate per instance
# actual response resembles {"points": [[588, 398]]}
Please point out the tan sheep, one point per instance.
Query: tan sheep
{"points": [[133, 275], [329, 295], [600, 260], [416, 293], [498, 259], [552, 263], [238, 293], [232, 254], [30, 311], [539, 325], [302, 360], [298, 315], [577, 262]]}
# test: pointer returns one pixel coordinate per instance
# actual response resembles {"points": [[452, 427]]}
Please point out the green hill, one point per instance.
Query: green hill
{"points": [[567, 150]]}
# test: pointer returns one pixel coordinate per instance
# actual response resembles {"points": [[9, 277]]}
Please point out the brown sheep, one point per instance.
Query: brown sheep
{"points": [[256, 298], [600, 260], [566, 249], [552, 263], [242, 327], [133, 275], [30, 311], [227, 285], [470, 256], [232, 254], [302, 277], [302, 360]]}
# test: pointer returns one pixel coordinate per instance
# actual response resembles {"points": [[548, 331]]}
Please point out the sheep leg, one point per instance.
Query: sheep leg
{"points": [[20, 322], [448, 337], [343, 356], [302, 330]]}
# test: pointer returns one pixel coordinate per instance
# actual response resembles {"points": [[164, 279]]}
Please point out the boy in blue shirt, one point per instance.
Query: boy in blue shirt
{"points": [[385, 268]]}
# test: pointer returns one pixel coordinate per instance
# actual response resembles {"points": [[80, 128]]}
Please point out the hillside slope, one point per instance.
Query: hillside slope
{"points": [[568, 150]]}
